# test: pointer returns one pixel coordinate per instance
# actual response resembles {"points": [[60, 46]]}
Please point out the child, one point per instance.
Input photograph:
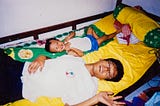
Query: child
{"points": [[76, 46]]}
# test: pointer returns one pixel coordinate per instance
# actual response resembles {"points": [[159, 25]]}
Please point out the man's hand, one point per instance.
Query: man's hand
{"points": [[102, 97], [105, 98], [37, 64]]}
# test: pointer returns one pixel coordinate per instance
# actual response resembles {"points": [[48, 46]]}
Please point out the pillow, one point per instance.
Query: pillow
{"points": [[143, 27], [30, 50], [30, 53], [135, 59], [104, 25]]}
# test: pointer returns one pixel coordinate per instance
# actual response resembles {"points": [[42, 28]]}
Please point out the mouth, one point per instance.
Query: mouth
{"points": [[100, 69], [62, 47]]}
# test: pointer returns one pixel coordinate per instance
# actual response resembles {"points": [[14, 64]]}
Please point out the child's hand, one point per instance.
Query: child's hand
{"points": [[66, 39], [67, 46], [71, 35]]}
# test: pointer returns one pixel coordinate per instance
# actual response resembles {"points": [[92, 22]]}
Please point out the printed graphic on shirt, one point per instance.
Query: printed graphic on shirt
{"points": [[70, 74]]}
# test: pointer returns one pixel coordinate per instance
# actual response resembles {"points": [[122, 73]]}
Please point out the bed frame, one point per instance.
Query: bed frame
{"points": [[151, 72]]}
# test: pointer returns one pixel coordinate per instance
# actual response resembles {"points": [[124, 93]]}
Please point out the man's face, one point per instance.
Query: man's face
{"points": [[105, 70], [56, 46]]}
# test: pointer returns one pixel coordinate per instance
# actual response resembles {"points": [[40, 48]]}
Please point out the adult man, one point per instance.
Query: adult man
{"points": [[67, 77]]}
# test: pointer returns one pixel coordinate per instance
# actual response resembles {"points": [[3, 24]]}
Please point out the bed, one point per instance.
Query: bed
{"points": [[140, 65]]}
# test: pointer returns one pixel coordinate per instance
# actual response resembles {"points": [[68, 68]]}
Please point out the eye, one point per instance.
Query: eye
{"points": [[56, 48], [109, 74], [109, 69]]}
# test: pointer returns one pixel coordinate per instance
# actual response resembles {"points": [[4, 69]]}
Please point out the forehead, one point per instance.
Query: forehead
{"points": [[53, 41], [113, 71], [104, 62]]}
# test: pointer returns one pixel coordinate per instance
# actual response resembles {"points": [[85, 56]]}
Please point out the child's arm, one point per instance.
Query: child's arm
{"points": [[75, 52], [71, 35]]}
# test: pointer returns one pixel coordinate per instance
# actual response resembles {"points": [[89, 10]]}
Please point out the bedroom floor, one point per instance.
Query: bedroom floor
{"points": [[152, 83]]}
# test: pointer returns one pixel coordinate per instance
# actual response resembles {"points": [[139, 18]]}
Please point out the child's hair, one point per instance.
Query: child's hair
{"points": [[120, 70], [47, 45]]}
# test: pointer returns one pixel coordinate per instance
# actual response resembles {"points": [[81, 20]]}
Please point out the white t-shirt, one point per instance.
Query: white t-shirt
{"points": [[83, 44], [65, 77]]}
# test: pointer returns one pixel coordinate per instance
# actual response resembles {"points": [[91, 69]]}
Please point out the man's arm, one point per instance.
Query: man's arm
{"points": [[36, 64], [102, 97]]}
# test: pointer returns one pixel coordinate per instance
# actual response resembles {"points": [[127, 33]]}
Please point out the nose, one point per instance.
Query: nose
{"points": [[62, 45], [105, 69]]}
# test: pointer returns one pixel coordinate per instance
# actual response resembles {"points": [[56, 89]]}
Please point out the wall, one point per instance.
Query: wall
{"points": [[24, 15], [152, 6]]}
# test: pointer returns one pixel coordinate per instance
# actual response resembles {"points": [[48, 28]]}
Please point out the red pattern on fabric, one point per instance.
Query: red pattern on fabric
{"points": [[126, 30]]}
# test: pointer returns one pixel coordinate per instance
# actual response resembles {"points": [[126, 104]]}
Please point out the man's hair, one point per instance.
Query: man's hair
{"points": [[120, 70], [48, 43]]}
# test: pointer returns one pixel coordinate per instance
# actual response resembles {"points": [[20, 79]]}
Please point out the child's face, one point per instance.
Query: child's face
{"points": [[56, 46]]}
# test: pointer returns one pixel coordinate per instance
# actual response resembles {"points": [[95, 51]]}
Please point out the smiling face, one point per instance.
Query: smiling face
{"points": [[56, 46], [105, 70]]}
